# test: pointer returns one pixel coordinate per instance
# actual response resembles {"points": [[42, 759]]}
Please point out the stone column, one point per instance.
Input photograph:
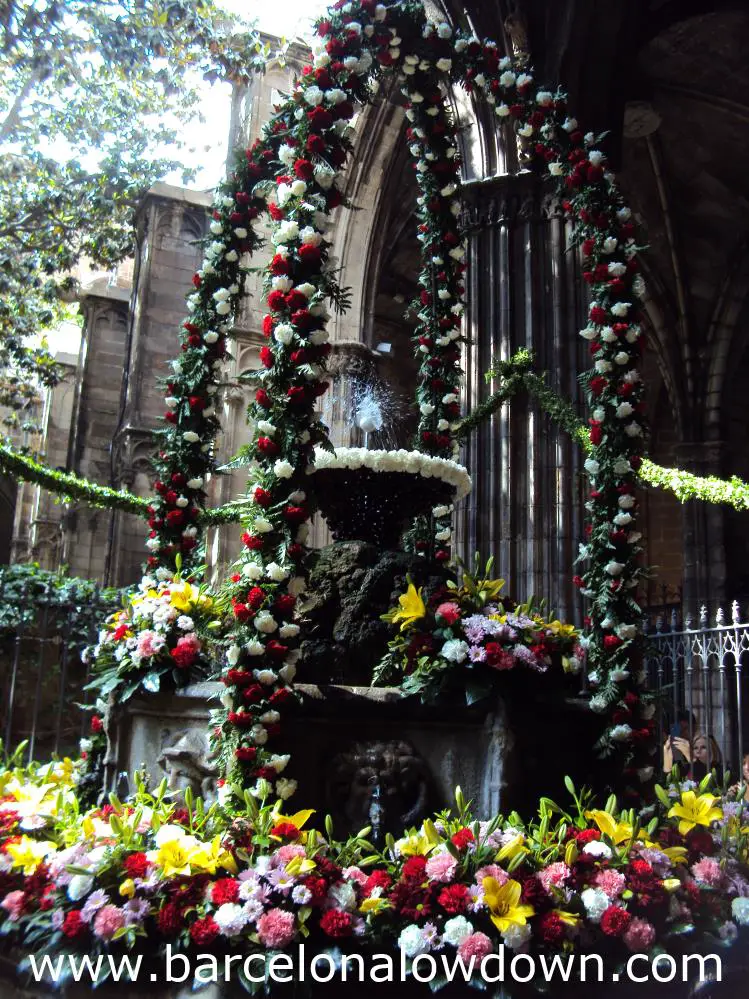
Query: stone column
{"points": [[704, 530], [523, 291]]}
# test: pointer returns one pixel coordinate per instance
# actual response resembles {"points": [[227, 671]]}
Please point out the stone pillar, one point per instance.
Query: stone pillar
{"points": [[704, 530], [523, 291]]}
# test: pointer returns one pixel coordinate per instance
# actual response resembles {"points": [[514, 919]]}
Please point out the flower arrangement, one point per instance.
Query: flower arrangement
{"points": [[159, 638], [246, 877], [411, 462], [468, 635]]}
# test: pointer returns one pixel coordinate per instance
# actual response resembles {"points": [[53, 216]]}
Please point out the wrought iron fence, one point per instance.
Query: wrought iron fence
{"points": [[698, 670], [44, 626]]}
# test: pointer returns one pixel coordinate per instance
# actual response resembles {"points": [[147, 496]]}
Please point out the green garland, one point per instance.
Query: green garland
{"points": [[68, 485], [516, 375]]}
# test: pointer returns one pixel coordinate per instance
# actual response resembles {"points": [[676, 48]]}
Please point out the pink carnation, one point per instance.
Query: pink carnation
{"points": [[612, 882], [554, 875], [492, 871], [640, 936], [476, 945], [449, 612], [707, 871], [276, 928], [109, 919], [13, 903], [441, 867], [355, 874], [286, 853], [149, 643]]}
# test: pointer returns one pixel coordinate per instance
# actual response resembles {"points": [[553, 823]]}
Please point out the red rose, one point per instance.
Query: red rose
{"points": [[280, 696], [279, 265], [295, 514], [597, 385], [303, 319], [285, 603], [597, 315], [275, 649], [275, 212], [197, 402], [596, 434], [245, 754], [611, 641], [203, 932], [262, 399], [97, 725], [319, 119], [253, 694], [296, 395], [252, 541], [196, 280], [266, 357]]}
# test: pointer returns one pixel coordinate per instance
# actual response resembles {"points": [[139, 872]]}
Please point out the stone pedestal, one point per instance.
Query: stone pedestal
{"points": [[368, 756]]}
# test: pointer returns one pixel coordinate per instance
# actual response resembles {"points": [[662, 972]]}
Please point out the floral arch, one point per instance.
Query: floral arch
{"points": [[292, 173]]}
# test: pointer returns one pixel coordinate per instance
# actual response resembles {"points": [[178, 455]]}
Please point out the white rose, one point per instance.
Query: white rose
{"points": [[614, 568], [232, 655], [624, 409], [265, 676], [592, 467], [195, 483], [621, 733], [259, 735], [275, 572], [283, 469], [620, 308], [285, 788], [265, 623], [252, 570]]}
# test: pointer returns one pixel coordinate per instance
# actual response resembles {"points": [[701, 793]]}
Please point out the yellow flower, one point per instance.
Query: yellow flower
{"points": [[568, 918], [419, 844], [502, 902], [695, 811], [208, 857], [560, 629], [617, 832], [29, 853], [512, 849], [374, 905], [412, 607], [127, 888], [676, 854], [671, 884], [173, 857], [300, 865]]}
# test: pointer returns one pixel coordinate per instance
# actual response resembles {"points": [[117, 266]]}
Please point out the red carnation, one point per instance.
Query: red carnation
{"points": [[262, 399], [454, 899], [136, 865], [596, 433], [253, 694], [336, 923], [285, 603], [296, 395], [611, 641], [319, 119], [245, 754], [414, 869], [279, 265], [586, 836], [551, 928], [276, 301], [275, 212], [266, 445], [597, 315], [252, 541], [225, 890], [303, 319], [74, 927], [315, 144], [377, 879], [285, 830], [597, 385], [309, 254], [280, 696], [256, 597], [615, 921], [97, 725], [266, 357], [295, 514], [203, 932], [169, 919], [462, 838], [275, 649], [295, 300], [304, 169]]}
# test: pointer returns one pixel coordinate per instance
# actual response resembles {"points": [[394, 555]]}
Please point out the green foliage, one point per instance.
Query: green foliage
{"points": [[67, 484], [75, 606], [92, 98]]}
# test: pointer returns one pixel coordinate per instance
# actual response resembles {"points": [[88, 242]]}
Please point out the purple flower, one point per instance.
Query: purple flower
{"points": [[94, 902], [477, 654], [135, 911]]}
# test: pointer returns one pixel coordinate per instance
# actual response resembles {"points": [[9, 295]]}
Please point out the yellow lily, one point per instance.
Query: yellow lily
{"points": [[560, 629], [298, 819], [568, 918], [503, 904], [300, 865], [671, 884], [28, 853], [412, 607], [419, 844], [512, 849], [208, 857], [695, 811], [617, 832], [173, 857], [676, 854]]}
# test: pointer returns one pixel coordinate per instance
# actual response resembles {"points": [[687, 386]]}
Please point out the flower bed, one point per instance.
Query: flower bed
{"points": [[241, 877]]}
